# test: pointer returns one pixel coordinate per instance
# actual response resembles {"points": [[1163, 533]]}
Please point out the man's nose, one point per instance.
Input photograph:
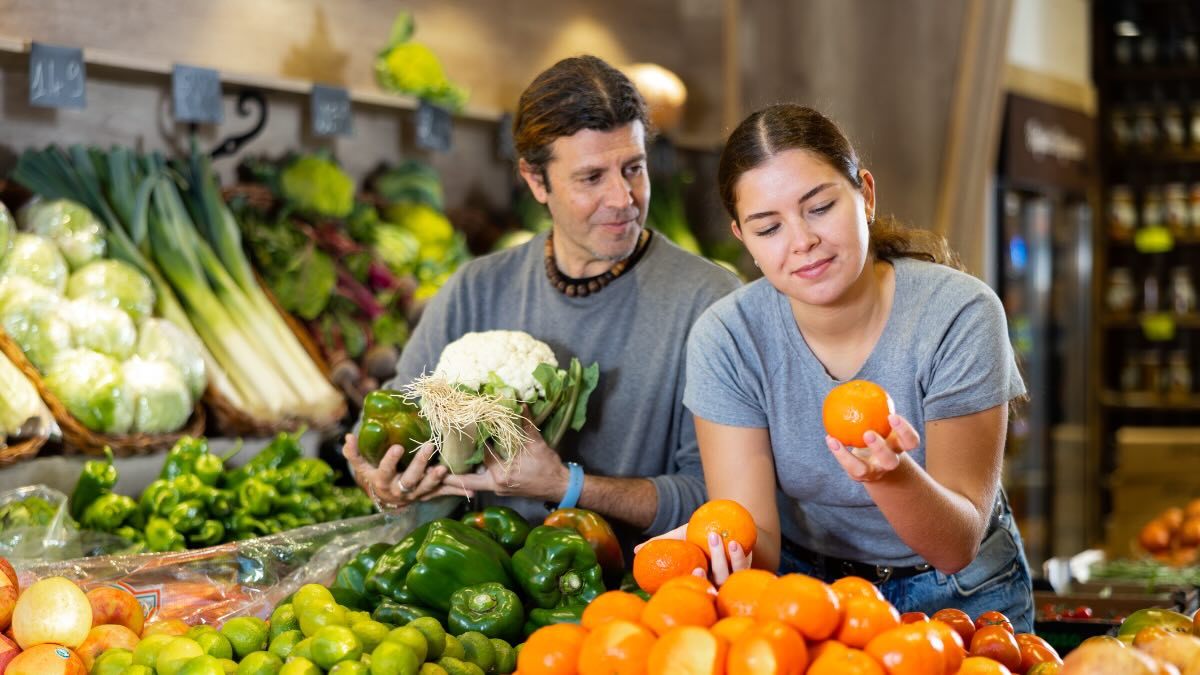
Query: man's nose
{"points": [[618, 192]]}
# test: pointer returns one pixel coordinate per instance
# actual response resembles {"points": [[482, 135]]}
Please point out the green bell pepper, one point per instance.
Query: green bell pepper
{"points": [[283, 450], [181, 459], [558, 568], [159, 498], [452, 556], [209, 467], [297, 503], [189, 486], [387, 578], [210, 533], [256, 497], [596, 530], [502, 523], [108, 512], [353, 575], [218, 502], [487, 608], [161, 536], [630, 586], [400, 614], [390, 420], [96, 478], [305, 475], [187, 516], [539, 618]]}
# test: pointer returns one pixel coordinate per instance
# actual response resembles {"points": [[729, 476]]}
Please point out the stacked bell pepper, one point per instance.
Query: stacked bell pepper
{"points": [[196, 503], [388, 419]]}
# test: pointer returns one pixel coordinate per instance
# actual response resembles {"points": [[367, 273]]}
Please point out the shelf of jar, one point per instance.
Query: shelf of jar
{"points": [[1140, 156], [1188, 320], [1148, 401], [1179, 238]]}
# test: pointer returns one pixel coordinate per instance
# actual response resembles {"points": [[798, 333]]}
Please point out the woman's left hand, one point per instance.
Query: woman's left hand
{"points": [[881, 456], [722, 565]]}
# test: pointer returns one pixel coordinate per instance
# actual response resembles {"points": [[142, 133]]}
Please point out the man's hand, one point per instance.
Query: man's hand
{"points": [[536, 472], [390, 491], [722, 565]]}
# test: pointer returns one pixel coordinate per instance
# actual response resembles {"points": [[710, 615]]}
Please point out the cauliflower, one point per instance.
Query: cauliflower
{"points": [[412, 68], [317, 185], [509, 355]]}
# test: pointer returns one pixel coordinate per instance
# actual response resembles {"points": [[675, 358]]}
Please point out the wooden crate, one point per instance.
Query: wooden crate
{"points": [[1158, 450]]}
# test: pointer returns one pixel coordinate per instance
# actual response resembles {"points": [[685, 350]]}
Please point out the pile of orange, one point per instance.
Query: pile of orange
{"points": [[1173, 537], [762, 624]]}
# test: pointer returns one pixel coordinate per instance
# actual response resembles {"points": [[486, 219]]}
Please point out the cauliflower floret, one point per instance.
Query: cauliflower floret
{"points": [[511, 355]]}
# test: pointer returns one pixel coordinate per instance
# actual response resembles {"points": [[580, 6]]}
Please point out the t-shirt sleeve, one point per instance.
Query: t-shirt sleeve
{"points": [[973, 368], [720, 385]]}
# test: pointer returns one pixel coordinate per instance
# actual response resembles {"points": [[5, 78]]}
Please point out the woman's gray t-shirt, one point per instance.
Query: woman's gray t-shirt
{"points": [[944, 352]]}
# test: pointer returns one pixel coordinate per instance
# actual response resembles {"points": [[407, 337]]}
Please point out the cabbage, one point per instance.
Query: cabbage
{"points": [[20, 403], [29, 314], [92, 388], [6, 230], [78, 233], [114, 283], [37, 258], [161, 402], [101, 328], [161, 340]]}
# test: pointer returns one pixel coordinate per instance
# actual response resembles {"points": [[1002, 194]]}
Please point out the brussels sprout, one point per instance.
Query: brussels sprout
{"points": [[114, 283], [161, 402], [92, 388], [37, 258], [161, 340], [76, 231], [101, 328], [29, 314]]}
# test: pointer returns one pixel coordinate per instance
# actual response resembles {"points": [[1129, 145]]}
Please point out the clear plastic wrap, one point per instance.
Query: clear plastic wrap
{"points": [[246, 578], [35, 527]]}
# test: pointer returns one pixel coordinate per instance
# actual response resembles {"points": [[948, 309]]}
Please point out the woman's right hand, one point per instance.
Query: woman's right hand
{"points": [[391, 491], [722, 565]]}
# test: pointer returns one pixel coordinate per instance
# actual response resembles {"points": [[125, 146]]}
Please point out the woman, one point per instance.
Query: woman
{"points": [[847, 295]]}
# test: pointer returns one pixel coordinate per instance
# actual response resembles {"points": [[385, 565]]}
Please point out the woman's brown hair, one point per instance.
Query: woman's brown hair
{"points": [[788, 126]]}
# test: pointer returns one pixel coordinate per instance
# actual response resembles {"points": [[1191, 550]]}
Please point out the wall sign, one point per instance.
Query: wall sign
{"points": [[434, 127], [1048, 145], [331, 111], [57, 77], [196, 94]]}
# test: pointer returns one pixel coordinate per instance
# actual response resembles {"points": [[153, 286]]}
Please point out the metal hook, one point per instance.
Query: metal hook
{"points": [[231, 145]]}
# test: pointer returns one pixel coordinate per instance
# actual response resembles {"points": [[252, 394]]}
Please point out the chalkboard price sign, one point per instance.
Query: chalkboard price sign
{"points": [[57, 77], [331, 111], [196, 94], [434, 127]]}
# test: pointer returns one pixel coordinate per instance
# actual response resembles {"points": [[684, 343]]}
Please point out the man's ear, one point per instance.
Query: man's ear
{"points": [[535, 178], [736, 230]]}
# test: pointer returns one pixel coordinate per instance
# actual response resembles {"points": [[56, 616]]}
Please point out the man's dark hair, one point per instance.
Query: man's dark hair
{"points": [[581, 92]]}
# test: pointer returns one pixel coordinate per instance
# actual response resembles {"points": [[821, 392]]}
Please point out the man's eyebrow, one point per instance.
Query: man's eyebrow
{"points": [[807, 195], [587, 170]]}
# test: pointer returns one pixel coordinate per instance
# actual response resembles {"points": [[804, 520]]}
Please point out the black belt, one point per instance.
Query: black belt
{"points": [[829, 567]]}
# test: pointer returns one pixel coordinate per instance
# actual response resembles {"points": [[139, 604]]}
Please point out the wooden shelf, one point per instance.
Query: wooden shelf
{"points": [[1135, 74], [1156, 157], [1191, 320], [1145, 401]]}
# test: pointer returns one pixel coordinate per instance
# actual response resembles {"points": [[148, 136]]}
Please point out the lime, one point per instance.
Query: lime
{"points": [[229, 665], [432, 669], [112, 661], [478, 649], [283, 645], [284, 619], [175, 654], [434, 634], [260, 663], [196, 631], [246, 634], [137, 669], [412, 638], [214, 644], [392, 658], [311, 596], [506, 657], [350, 668], [203, 665], [299, 667], [302, 650], [455, 666], [454, 648], [146, 651], [314, 620], [370, 634], [333, 644]]}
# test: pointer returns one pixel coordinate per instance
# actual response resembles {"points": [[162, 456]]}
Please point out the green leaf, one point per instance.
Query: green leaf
{"points": [[590, 378], [402, 29], [305, 289], [390, 330], [354, 336]]}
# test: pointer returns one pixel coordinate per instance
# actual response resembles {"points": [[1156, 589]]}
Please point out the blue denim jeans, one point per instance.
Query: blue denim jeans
{"points": [[998, 579]]}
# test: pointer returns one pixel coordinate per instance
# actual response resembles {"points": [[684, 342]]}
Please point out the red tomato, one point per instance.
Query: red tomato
{"points": [[998, 644], [994, 618], [1035, 650], [1082, 612], [959, 621], [914, 617]]}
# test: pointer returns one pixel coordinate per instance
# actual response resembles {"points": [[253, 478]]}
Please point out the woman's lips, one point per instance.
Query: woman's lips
{"points": [[813, 270]]}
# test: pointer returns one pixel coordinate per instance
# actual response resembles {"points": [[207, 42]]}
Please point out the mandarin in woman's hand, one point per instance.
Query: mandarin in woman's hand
{"points": [[853, 408], [727, 519]]}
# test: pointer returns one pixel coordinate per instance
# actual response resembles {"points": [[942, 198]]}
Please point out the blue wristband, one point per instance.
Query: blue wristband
{"points": [[574, 487]]}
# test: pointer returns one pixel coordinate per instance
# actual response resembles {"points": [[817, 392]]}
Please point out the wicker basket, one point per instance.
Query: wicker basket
{"points": [[21, 450], [78, 439]]}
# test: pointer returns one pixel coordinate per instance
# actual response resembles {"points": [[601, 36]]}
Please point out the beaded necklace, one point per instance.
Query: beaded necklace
{"points": [[581, 288]]}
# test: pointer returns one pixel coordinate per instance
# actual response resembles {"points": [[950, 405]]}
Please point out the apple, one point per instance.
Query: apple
{"points": [[1107, 658], [47, 659], [116, 606], [53, 610], [105, 637], [171, 627], [9, 572], [8, 652], [9, 592]]}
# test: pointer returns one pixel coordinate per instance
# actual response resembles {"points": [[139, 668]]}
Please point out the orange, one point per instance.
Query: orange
{"points": [[732, 627], [610, 606], [804, 603], [818, 649], [678, 607], [845, 661], [687, 649], [850, 587], [952, 644], [662, 559], [729, 519], [864, 618], [908, 650], [958, 620], [978, 665], [853, 408], [618, 647], [552, 650], [740, 593], [771, 648], [691, 582]]}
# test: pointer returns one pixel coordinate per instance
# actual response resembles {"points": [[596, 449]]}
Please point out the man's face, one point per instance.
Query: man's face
{"points": [[598, 193]]}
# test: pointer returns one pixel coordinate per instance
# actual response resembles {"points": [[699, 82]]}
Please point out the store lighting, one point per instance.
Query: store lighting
{"points": [[1126, 28], [664, 92]]}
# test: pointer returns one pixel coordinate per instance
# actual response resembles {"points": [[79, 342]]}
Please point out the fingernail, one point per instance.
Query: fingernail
{"points": [[733, 547], [714, 539], [870, 437], [699, 572]]}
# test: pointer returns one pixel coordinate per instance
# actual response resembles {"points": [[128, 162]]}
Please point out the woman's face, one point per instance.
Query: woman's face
{"points": [[805, 225]]}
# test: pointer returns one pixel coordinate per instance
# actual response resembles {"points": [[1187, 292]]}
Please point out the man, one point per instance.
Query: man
{"points": [[598, 286]]}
